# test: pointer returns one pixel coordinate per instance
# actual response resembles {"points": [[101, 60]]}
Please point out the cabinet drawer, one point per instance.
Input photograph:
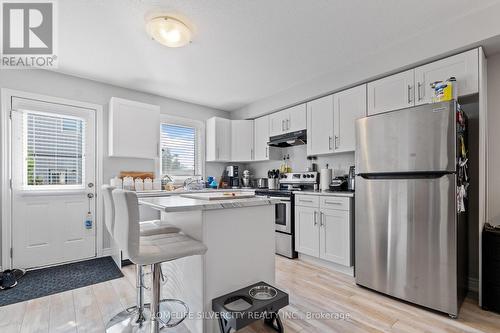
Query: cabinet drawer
{"points": [[307, 200], [339, 203]]}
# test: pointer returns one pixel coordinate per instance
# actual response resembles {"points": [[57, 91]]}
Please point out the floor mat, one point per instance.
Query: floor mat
{"points": [[52, 280]]}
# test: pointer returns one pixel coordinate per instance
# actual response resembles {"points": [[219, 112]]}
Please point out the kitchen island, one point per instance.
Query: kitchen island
{"points": [[239, 234]]}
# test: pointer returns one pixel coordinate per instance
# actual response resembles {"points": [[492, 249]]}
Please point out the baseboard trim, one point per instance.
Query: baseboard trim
{"points": [[326, 264], [108, 252]]}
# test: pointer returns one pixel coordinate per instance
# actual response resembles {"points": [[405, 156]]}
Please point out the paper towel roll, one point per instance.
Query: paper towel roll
{"points": [[325, 178]]}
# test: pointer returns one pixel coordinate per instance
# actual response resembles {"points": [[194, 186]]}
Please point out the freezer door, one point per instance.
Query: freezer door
{"points": [[418, 139], [405, 239]]}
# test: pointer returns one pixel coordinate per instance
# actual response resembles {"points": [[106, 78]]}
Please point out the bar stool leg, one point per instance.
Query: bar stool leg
{"points": [[155, 298], [140, 293]]}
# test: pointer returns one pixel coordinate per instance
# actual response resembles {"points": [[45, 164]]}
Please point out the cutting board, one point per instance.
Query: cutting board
{"points": [[137, 174], [218, 195]]}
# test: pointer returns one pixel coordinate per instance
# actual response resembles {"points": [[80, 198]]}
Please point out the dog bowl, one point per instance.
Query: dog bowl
{"points": [[263, 292]]}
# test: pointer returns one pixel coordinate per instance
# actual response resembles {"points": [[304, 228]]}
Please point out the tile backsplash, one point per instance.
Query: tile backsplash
{"points": [[339, 162]]}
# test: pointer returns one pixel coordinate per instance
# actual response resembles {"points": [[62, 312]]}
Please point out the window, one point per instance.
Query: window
{"points": [[178, 150], [53, 149]]}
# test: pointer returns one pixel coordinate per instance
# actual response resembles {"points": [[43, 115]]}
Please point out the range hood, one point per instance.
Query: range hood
{"points": [[289, 139]]}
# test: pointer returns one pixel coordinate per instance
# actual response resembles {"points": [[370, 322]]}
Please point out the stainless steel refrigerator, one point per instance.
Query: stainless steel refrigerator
{"points": [[410, 242]]}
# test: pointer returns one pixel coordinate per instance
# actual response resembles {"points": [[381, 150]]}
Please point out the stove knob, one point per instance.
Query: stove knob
{"points": [[304, 176]]}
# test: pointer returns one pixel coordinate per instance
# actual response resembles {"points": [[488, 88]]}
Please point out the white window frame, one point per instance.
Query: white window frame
{"points": [[199, 161]]}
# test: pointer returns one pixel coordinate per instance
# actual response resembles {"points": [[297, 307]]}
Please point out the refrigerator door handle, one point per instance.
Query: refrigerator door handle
{"points": [[405, 175]]}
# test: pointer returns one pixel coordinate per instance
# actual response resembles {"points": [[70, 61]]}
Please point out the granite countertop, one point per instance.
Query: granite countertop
{"points": [[178, 203], [327, 193]]}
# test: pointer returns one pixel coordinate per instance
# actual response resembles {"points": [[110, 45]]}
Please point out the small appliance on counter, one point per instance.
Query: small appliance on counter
{"points": [[233, 176], [261, 183], [339, 183], [246, 180]]}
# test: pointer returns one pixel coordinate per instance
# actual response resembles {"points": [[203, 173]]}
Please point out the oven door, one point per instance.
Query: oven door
{"points": [[283, 215]]}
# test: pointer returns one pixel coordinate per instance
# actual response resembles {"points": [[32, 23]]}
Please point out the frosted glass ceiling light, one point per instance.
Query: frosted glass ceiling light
{"points": [[168, 31]]}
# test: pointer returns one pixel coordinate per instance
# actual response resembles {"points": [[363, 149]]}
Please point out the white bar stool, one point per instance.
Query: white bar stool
{"points": [[137, 314], [148, 250]]}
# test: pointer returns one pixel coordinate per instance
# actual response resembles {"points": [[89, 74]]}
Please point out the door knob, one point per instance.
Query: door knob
{"points": [[90, 185], [90, 195]]}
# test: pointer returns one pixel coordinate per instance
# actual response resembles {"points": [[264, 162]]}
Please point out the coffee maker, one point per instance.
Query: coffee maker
{"points": [[233, 175]]}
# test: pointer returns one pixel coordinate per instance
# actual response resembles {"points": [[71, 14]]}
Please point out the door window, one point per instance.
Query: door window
{"points": [[53, 151]]}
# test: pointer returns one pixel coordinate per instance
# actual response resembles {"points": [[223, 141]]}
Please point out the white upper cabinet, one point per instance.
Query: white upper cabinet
{"points": [[348, 105], [218, 139], [297, 118], [242, 140], [261, 138], [134, 129], [289, 120], [320, 126], [277, 122], [463, 66], [391, 93]]}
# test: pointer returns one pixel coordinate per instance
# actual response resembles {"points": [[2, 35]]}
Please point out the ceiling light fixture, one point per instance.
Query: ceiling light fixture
{"points": [[168, 31]]}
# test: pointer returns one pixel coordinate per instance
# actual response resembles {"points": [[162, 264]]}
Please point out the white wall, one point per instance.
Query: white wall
{"points": [[340, 163], [493, 156], [70, 87]]}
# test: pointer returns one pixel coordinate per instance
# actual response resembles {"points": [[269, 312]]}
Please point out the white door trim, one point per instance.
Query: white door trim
{"points": [[5, 157]]}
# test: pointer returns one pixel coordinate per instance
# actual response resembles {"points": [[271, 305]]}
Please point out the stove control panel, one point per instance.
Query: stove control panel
{"points": [[299, 178]]}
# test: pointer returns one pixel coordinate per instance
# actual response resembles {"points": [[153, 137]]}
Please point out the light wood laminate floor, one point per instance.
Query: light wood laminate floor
{"points": [[313, 291]]}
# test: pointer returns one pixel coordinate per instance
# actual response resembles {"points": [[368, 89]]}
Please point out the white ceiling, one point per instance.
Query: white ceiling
{"points": [[242, 50]]}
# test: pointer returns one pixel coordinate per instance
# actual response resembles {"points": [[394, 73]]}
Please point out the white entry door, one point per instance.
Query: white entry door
{"points": [[53, 177]]}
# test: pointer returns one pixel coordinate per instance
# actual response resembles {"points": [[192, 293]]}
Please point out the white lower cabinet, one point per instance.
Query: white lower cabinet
{"points": [[324, 232], [334, 236], [306, 230]]}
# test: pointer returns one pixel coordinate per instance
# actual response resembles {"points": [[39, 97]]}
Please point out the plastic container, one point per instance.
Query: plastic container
{"points": [[148, 184]]}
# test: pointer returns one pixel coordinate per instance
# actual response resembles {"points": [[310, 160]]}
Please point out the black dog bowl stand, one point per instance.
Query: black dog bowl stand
{"points": [[257, 310]]}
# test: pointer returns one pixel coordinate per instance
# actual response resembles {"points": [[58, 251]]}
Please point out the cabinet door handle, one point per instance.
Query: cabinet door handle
{"points": [[329, 143], [321, 218], [409, 94], [336, 141], [333, 203], [283, 125], [315, 218], [287, 124], [419, 85], [303, 200], [267, 151], [252, 154]]}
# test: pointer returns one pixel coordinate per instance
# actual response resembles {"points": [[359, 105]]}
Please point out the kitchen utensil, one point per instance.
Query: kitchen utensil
{"points": [[246, 180], [263, 292], [273, 183]]}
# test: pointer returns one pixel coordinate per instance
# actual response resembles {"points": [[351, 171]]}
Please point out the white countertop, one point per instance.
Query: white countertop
{"points": [[327, 193], [176, 203], [162, 193]]}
